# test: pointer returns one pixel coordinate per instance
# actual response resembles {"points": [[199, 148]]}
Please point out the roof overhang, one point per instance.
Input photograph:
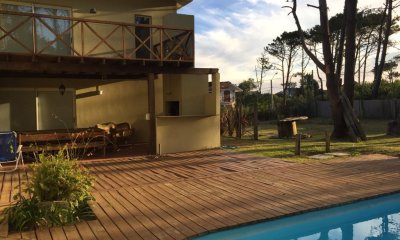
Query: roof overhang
{"points": [[182, 3]]}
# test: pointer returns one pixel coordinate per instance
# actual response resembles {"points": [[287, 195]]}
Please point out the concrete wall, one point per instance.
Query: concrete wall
{"points": [[189, 90], [194, 90], [181, 20], [120, 102], [198, 126], [17, 110], [370, 109], [36, 109], [179, 134]]}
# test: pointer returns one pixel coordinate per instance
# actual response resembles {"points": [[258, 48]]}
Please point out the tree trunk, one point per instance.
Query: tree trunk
{"points": [[351, 12], [255, 122], [379, 67], [332, 83]]}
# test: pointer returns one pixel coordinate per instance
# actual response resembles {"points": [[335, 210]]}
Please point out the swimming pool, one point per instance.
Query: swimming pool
{"points": [[367, 220]]}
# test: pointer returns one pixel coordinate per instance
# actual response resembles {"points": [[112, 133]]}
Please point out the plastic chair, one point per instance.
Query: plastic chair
{"points": [[9, 152]]}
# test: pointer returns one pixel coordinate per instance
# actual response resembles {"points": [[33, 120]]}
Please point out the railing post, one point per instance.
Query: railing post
{"points": [[161, 44], [82, 40], [193, 47], [123, 41], [34, 35]]}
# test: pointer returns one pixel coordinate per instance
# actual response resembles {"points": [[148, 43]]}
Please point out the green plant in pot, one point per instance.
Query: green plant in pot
{"points": [[60, 195]]}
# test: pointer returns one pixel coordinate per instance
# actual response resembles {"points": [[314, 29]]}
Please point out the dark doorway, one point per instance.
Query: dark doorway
{"points": [[172, 108], [143, 33]]}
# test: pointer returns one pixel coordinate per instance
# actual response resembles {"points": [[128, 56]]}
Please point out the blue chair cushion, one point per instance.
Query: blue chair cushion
{"points": [[8, 146]]}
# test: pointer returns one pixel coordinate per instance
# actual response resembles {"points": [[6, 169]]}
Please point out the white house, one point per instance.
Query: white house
{"points": [[228, 93]]}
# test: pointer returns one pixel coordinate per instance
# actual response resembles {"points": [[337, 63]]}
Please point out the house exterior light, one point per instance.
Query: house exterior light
{"points": [[61, 89]]}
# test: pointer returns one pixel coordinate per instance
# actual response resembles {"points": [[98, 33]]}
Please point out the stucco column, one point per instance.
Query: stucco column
{"points": [[216, 92], [151, 113]]}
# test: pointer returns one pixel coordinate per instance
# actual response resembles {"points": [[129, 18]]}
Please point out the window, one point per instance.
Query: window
{"points": [[45, 29], [227, 96]]}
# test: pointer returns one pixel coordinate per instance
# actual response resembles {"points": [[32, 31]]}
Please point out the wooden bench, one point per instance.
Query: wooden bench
{"points": [[55, 140]]}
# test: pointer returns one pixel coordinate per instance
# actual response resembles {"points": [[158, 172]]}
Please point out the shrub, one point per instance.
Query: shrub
{"points": [[55, 178], [60, 190]]}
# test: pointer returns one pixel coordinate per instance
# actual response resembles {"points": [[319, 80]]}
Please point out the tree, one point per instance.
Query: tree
{"points": [[309, 85], [285, 50], [330, 67], [243, 99], [261, 69], [351, 12], [247, 86], [390, 69], [368, 22], [385, 30]]}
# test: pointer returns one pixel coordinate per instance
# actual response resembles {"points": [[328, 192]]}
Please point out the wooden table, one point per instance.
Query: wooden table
{"points": [[287, 127]]}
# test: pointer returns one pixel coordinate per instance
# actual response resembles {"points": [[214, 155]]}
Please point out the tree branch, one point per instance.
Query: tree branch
{"points": [[317, 62]]}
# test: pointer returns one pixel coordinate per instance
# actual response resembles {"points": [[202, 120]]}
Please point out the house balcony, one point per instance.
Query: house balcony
{"points": [[54, 46]]}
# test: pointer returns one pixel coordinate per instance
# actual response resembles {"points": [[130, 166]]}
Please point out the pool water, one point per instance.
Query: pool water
{"points": [[367, 220]]}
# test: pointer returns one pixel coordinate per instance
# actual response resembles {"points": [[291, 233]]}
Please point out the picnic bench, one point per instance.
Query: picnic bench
{"points": [[55, 140], [287, 127]]}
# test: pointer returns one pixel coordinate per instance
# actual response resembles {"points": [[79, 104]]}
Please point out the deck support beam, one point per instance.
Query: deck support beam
{"points": [[151, 113]]}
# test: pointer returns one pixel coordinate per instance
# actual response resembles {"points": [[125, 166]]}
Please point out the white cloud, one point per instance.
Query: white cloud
{"points": [[236, 34]]}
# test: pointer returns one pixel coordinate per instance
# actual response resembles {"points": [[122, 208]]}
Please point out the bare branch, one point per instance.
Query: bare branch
{"points": [[313, 6], [317, 62]]}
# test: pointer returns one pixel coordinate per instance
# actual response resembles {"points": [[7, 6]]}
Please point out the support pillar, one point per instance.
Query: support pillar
{"points": [[216, 92], [151, 113]]}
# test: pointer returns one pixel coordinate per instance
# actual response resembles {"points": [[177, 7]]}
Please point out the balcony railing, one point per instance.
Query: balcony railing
{"points": [[37, 34]]}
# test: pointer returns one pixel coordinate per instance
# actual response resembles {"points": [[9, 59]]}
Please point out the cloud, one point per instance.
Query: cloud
{"points": [[231, 34]]}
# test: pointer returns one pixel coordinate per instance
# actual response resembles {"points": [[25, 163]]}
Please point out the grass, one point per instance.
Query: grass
{"points": [[269, 145]]}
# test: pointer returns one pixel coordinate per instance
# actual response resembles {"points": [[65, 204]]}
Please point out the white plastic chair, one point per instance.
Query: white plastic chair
{"points": [[9, 152]]}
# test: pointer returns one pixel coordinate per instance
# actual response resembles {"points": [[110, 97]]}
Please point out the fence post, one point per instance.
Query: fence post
{"points": [[327, 142], [297, 150]]}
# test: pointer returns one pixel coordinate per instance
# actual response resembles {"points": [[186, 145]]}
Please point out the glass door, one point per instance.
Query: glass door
{"points": [[143, 33], [47, 30], [43, 32], [19, 40]]}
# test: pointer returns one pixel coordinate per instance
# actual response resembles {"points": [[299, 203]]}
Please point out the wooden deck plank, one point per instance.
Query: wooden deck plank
{"points": [[43, 234], [98, 230], [71, 232], [150, 230], [179, 195], [102, 210], [144, 215], [173, 218], [114, 199], [210, 212], [177, 210], [157, 217], [120, 217], [58, 233], [85, 231]]}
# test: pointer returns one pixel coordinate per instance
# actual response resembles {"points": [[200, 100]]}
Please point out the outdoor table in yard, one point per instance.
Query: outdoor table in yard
{"points": [[287, 127]]}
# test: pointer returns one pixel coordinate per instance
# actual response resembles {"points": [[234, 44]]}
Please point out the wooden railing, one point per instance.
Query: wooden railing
{"points": [[65, 36]]}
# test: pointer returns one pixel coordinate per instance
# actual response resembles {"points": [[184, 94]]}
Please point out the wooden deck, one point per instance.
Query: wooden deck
{"points": [[182, 195]]}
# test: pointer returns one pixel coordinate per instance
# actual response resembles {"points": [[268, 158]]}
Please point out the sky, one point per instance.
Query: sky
{"points": [[231, 34]]}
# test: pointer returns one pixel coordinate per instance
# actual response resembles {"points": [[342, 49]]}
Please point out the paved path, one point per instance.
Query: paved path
{"points": [[182, 195]]}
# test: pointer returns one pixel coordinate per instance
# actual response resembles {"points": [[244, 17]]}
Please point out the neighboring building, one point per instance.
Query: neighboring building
{"points": [[228, 93], [113, 61], [290, 92]]}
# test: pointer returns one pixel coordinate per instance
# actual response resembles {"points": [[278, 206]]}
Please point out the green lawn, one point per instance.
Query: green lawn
{"points": [[268, 145]]}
